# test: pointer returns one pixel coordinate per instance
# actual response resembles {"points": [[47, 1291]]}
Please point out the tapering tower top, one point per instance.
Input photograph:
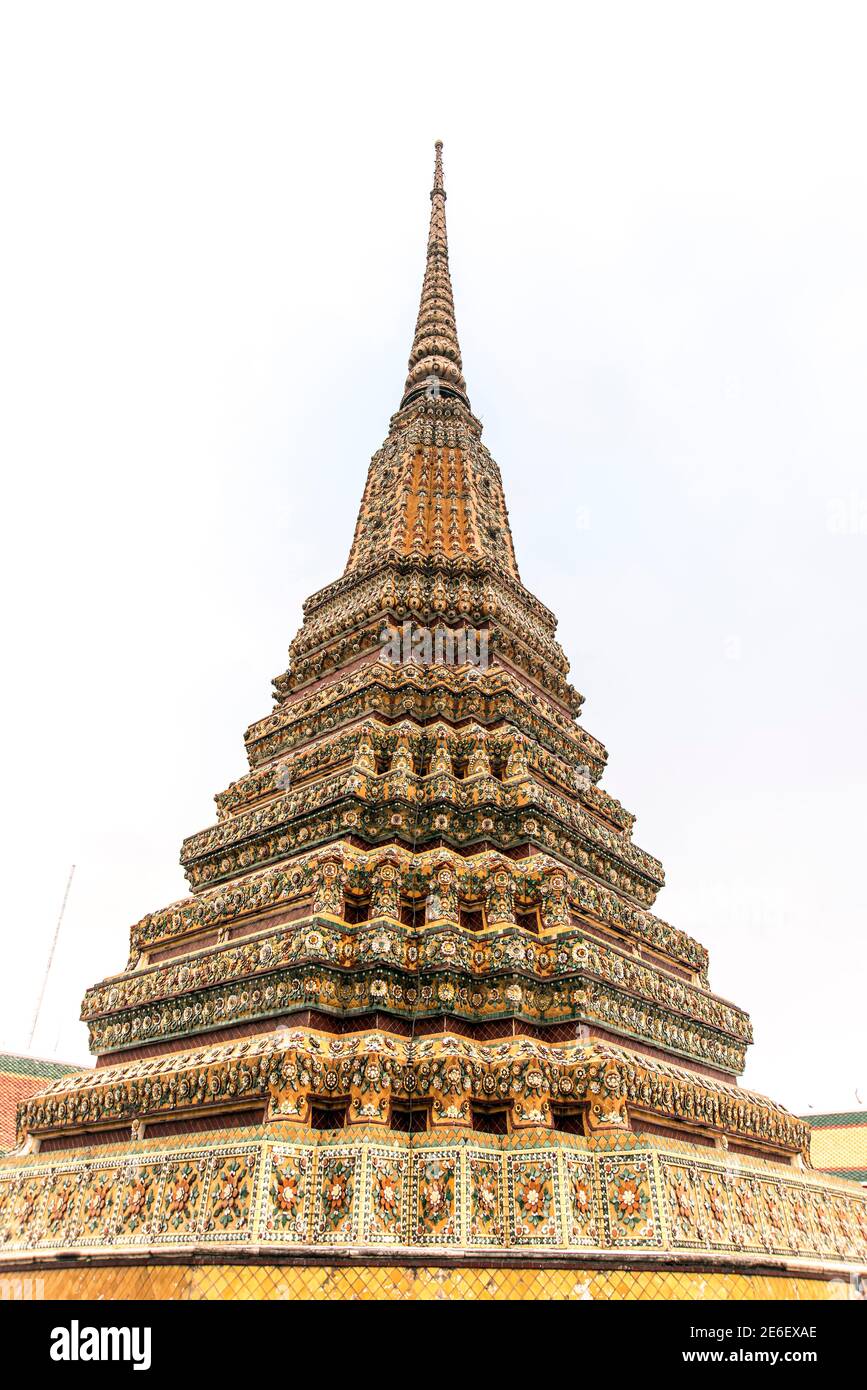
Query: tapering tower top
{"points": [[439, 186], [435, 358]]}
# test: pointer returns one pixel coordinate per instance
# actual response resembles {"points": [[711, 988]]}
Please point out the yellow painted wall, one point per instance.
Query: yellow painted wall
{"points": [[371, 1282]]}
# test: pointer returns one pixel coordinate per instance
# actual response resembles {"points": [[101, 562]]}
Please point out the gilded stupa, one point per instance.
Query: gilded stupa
{"points": [[417, 1026]]}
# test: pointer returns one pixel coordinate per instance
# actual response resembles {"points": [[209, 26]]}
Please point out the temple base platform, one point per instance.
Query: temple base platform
{"points": [[281, 1211]]}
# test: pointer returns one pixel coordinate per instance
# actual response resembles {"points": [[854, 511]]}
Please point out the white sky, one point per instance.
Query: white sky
{"points": [[213, 226]]}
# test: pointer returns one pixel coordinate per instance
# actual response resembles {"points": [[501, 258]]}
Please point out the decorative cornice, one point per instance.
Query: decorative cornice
{"points": [[423, 693], [302, 1062], [442, 970], [333, 871]]}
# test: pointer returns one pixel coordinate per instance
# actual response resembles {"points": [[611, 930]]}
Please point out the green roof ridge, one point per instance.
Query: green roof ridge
{"points": [[832, 1119], [12, 1064]]}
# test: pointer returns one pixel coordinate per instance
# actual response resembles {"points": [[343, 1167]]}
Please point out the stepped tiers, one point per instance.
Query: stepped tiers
{"points": [[419, 998]]}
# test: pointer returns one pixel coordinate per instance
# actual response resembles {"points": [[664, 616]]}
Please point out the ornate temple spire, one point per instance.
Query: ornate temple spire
{"points": [[435, 358], [416, 902], [433, 490]]}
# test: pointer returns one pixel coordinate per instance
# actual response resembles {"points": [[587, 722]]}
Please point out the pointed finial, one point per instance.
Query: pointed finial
{"points": [[435, 360], [438, 186]]}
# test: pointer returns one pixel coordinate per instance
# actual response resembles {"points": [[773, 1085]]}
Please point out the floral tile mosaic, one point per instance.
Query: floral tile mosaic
{"points": [[287, 1204], [629, 1205], [182, 1197], [582, 1202], [229, 1206], [435, 1216], [488, 1193], [137, 1206], [534, 1207], [337, 1196], [388, 1185], [100, 1186], [486, 1199]]}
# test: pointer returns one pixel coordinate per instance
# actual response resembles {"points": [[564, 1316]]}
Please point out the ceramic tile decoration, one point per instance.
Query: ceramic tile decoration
{"points": [[486, 1200], [417, 1031], [481, 1193]]}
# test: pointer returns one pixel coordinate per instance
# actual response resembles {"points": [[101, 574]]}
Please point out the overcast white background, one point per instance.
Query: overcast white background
{"points": [[211, 248]]}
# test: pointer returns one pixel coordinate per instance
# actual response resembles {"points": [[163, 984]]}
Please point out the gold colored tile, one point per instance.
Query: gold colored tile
{"points": [[431, 1283]]}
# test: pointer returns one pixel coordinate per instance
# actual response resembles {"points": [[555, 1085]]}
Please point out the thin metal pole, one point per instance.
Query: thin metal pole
{"points": [[50, 958]]}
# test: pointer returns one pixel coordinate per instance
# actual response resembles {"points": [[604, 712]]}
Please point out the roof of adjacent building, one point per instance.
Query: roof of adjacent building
{"points": [[20, 1077], [838, 1143], [12, 1064], [837, 1119]]}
